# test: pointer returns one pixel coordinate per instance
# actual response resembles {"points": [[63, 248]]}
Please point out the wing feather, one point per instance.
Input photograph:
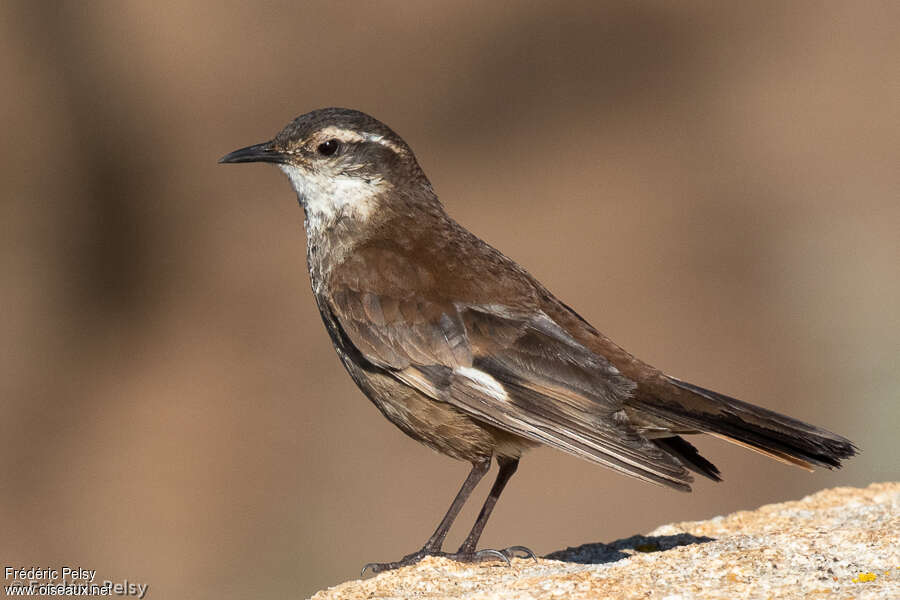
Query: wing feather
{"points": [[516, 370]]}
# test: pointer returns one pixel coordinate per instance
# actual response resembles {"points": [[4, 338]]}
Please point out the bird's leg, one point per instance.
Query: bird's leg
{"points": [[467, 551], [508, 466], [436, 540], [434, 543]]}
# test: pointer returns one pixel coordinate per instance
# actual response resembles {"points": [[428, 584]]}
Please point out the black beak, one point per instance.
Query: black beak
{"points": [[264, 152]]}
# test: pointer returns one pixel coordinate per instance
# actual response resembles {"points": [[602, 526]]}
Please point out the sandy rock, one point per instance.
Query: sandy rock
{"points": [[838, 543]]}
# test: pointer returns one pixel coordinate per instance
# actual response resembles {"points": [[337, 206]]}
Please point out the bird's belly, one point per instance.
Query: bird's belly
{"points": [[438, 425]]}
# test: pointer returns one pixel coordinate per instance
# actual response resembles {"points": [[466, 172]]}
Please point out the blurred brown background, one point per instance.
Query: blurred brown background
{"points": [[172, 409]]}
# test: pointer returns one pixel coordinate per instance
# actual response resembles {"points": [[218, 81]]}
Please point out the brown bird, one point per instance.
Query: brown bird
{"points": [[466, 352]]}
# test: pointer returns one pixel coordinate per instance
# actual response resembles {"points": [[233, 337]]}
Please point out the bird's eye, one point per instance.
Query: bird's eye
{"points": [[329, 148]]}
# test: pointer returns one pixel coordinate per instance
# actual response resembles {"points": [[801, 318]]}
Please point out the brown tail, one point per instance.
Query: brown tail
{"points": [[775, 435]]}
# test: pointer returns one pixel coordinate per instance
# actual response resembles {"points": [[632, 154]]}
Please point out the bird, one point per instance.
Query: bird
{"points": [[466, 352]]}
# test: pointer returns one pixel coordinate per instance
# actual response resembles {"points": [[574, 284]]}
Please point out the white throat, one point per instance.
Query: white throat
{"points": [[329, 199]]}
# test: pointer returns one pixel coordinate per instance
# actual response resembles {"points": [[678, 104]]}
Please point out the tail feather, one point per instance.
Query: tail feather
{"points": [[689, 456], [773, 454], [775, 435]]}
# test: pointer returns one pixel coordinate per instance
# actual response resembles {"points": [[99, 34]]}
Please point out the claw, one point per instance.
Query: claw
{"points": [[526, 552], [409, 559], [481, 554]]}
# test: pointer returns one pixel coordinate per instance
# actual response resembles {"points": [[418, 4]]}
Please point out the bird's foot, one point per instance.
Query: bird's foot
{"points": [[461, 556], [409, 559], [519, 552]]}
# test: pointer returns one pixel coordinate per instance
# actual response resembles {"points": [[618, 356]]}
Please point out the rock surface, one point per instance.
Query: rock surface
{"points": [[838, 543]]}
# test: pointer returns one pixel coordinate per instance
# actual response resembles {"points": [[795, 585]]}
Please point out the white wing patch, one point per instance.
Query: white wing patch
{"points": [[483, 382]]}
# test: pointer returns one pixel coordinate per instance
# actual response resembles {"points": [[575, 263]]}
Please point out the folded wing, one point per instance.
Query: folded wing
{"points": [[515, 369]]}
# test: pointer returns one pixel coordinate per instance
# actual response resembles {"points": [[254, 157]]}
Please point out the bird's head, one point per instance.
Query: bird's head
{"points": [[343, 165]]}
